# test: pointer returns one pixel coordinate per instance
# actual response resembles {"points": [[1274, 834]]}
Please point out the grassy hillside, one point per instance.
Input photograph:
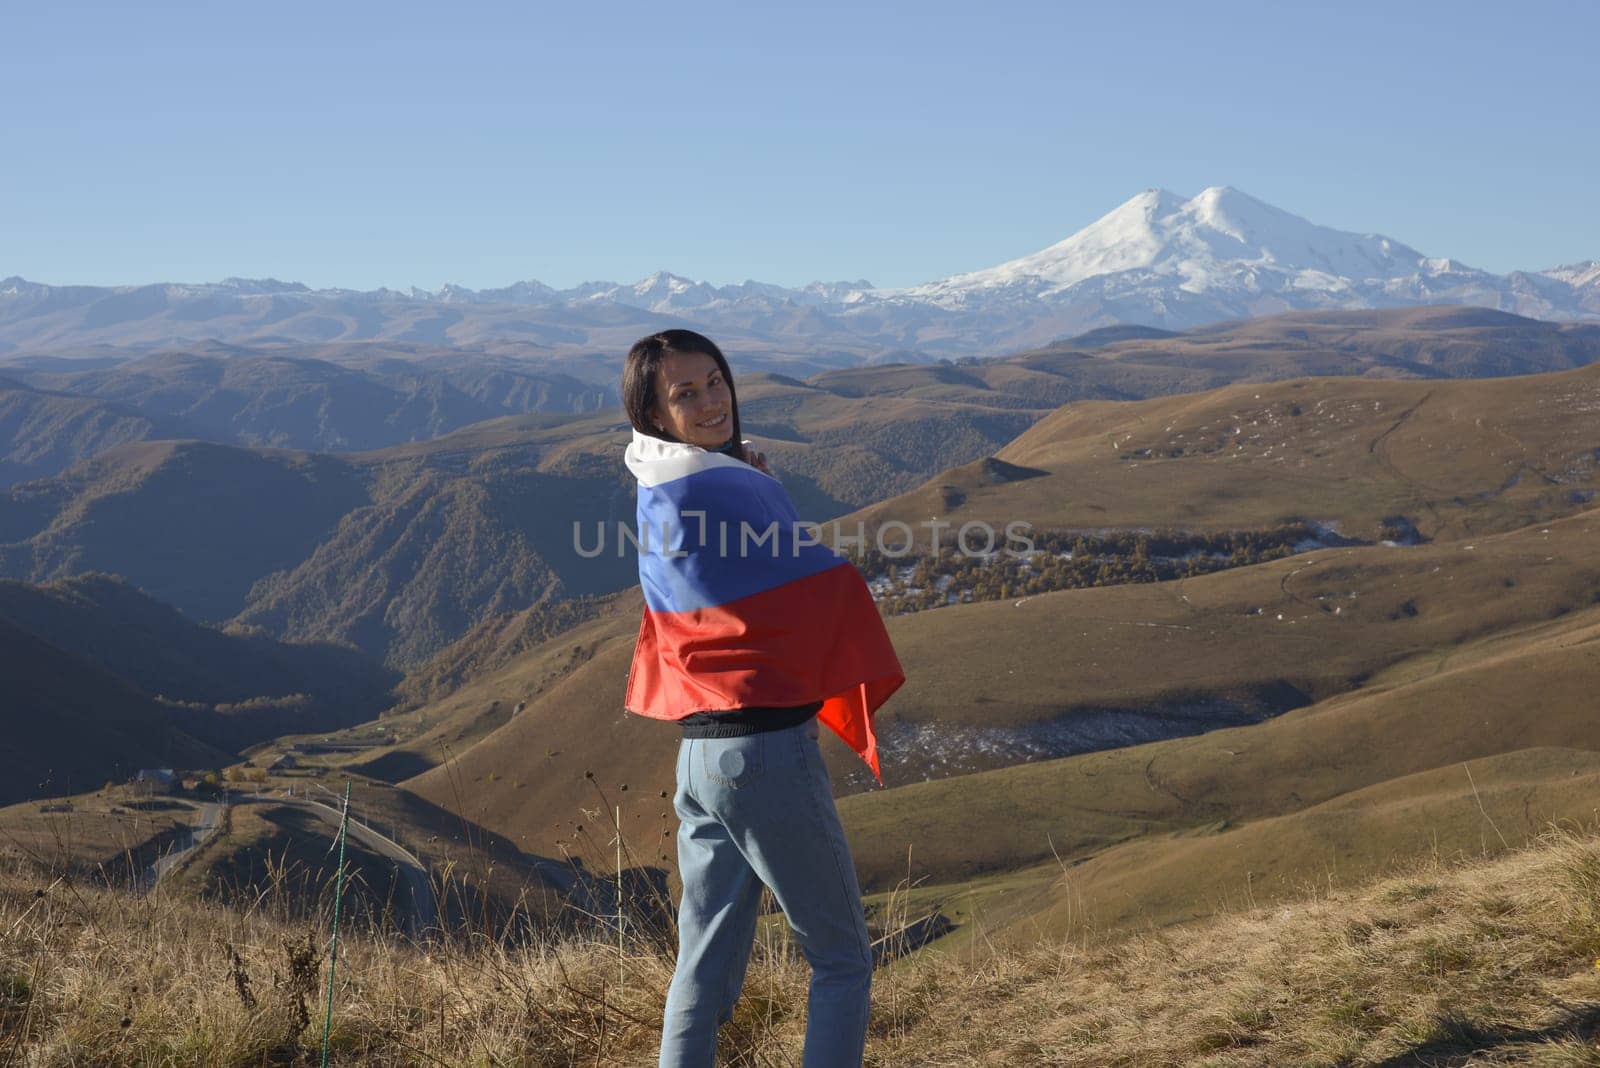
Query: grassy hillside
{"points": [[1456, 960], [110, 834], [284, 852], [1447, 458], [1426, 342], [1471, 746], [1000, 683]]}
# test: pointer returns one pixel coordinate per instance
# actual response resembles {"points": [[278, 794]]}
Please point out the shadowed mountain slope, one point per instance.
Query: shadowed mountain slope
{"points": [[45, 432], [190, 523], [70, 726], [231, 689], [293, 397]]}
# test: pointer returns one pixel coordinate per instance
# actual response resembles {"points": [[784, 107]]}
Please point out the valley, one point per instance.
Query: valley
{"points": [[1264, 630]]}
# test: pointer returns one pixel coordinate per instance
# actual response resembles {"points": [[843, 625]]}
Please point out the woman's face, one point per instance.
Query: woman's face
{"points": [[693, 403]]}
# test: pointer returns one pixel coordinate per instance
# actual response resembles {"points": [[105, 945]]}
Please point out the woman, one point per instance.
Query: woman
{"points": [[752, 634]]}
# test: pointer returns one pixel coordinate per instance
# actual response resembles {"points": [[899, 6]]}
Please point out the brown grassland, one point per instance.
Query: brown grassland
{"points": [[1458, 458], [1456, 960], [112, 830], [1052, 659], [1334, 808]]}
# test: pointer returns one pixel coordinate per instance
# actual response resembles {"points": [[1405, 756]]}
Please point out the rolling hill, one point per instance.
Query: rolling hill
{"points": [[401, 551], [1008, 685], [45, 432], [1467, 749], [999, 683], [1424, 342], [293, 397], [71, 726], [231, 689], [340, 397], [1445, 458]]}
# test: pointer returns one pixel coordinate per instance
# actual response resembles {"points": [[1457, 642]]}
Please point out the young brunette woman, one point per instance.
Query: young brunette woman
{"points": [[747, 645]]}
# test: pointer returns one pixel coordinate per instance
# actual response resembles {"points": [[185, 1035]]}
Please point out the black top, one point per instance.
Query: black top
{"points": [[742, 721]]}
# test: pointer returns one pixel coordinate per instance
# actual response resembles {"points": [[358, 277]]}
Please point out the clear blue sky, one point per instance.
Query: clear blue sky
{"points": [[365, 144]]}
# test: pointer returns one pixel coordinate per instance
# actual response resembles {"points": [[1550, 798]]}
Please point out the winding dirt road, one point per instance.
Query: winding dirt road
{"points": [[199, 833], [419, 902]]}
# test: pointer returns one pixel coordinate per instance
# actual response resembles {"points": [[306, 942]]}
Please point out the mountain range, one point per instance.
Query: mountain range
{"points": [[402, 550], [1158, 259], [1251, 727]]}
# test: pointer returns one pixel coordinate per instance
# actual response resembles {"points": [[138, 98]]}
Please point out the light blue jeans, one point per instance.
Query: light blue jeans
{"points": [[759, 810]]}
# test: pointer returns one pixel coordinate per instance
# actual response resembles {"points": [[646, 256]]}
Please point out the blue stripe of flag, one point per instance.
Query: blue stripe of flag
{"points": [[718, 568]]}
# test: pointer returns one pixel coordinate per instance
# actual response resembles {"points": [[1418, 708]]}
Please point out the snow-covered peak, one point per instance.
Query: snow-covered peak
{"points": [[665, 284], [1219, 232], [839, 292], [1159, 259], [260, 286], [449, 293], [1245, 222], [1576, 275], [530, 291], [18, 286], [1124, 238]]}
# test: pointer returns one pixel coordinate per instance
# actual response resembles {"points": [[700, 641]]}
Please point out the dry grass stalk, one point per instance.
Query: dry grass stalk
{"points": [[1482, 962]]}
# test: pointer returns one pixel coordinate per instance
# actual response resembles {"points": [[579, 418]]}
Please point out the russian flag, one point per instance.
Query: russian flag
{"points": [[742, 608]]}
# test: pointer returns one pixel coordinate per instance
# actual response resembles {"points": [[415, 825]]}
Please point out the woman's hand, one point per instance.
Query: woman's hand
{"points": [[757, 460]]}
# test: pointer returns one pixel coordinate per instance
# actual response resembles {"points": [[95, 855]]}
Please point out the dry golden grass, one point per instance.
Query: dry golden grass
{"points": [[1470, 756], [111, 829], [1460, 458], [1458, 963]]}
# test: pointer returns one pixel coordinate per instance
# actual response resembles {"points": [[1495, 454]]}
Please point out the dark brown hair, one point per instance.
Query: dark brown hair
{"points": [[639, 376]]}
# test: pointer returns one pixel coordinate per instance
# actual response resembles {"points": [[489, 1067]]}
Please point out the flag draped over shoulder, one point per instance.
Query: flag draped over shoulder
{"points": [[742, 608]]}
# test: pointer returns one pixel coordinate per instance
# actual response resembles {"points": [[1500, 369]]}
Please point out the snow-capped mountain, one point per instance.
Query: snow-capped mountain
{"points": [[1221, 239], [1165, 261], [1577, 274], [1156, 260]]}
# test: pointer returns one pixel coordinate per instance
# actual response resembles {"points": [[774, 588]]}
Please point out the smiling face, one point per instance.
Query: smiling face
{"points": [[693, 402]]}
